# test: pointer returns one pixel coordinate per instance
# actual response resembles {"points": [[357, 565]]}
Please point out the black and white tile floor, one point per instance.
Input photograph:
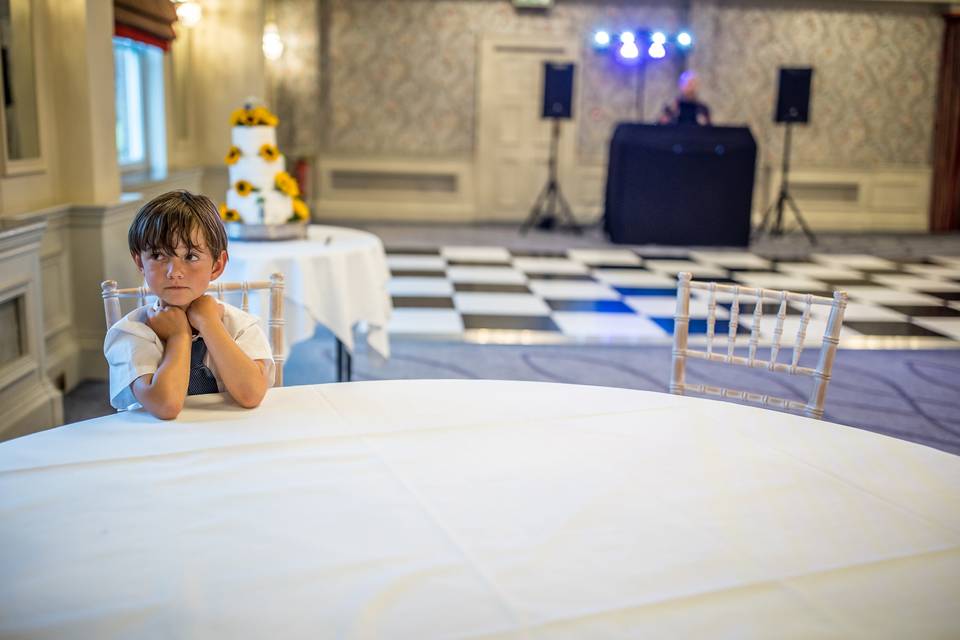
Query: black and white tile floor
{"points": [[492, 294]]}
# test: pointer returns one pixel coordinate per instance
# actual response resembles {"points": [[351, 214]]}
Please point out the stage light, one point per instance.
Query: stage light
{"points": [[628, 37], [657, 50], [601, 39], [684, 39], [629, 51], [658, 37]]}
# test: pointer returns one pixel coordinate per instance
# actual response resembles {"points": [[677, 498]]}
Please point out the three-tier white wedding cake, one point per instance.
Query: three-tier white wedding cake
{"points": [[261, 191]]}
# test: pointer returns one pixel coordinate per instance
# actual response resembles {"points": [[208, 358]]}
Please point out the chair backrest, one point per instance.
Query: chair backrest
{"points": [[813, 407], [111, 308]]}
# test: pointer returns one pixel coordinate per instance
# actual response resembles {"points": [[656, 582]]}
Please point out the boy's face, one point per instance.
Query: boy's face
{"points": [[181, 278]]}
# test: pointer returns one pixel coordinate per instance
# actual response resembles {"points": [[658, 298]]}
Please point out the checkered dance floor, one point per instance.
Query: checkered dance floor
{"points": [[492, 294]]}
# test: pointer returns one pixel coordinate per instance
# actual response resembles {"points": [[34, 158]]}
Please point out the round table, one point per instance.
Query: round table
{"points": [[339, 276], [424, 509]]}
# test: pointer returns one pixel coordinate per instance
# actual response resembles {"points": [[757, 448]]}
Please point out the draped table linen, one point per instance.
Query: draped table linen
{"points": [[339, 276], [429, 509]]}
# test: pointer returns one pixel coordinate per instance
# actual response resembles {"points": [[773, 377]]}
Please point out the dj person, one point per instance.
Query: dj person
{"points": [[686, 109]]}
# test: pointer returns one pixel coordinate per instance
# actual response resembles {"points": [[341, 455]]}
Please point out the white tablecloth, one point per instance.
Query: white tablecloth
{"points": [[338, 275], [427, 509]]}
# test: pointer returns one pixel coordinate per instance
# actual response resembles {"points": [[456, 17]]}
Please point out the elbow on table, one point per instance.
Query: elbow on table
{"points": [[250, 399], [166, 410]]}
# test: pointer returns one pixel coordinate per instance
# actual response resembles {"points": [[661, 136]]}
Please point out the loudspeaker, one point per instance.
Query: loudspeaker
{"points": [[793, 95], [558, 90]]}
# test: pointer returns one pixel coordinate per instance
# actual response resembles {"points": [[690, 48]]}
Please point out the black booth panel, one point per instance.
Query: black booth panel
{"points": [[680, 185]]}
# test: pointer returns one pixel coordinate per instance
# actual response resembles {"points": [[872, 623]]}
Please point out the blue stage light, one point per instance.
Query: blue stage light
{"points": [[658, 37], [629, 51], [628, 37], [684, 39], [657, 50], [601, 39]]}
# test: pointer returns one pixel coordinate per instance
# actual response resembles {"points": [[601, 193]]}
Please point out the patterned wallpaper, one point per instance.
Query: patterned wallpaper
{"points": [[294, 79], [399, 77], [874, 79], [403, 73]]}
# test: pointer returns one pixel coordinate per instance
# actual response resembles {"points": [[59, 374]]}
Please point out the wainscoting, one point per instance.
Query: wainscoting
{"points": [[395, 189], [54, 275], [29, 400], [888, 198], [882, 199]]}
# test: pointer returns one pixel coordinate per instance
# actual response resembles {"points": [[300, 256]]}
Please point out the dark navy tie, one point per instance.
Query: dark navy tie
{"points": [[201, 378]]}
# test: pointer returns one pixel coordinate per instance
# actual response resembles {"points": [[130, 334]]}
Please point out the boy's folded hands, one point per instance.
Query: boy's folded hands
{"points": [[168, 321], [203, 312]]}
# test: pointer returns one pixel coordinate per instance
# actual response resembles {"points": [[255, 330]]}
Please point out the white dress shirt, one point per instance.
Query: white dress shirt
{"points": [[133, 349]]}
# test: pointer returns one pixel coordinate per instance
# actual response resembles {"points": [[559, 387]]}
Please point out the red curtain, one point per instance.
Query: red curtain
{"points": [[149, 21], [945, 196]]}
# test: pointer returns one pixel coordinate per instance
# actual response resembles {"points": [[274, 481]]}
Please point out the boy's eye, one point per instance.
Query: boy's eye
{"points": [[156, 255], [192, 257]]}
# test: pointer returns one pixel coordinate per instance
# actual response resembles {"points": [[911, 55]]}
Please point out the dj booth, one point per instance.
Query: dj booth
{"points": [[680, 185]]}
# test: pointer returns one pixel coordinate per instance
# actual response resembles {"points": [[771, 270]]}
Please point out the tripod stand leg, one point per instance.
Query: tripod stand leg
{"points": [[535, 210], [766, 217], [799, 217], [567, 213], [546, 216]]}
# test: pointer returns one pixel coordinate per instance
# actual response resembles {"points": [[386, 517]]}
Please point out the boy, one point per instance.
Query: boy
{"points": [[186, 343]]}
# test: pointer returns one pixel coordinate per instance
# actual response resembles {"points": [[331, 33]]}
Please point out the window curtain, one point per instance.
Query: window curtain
{"points": [[945, 196], [149, 21]]}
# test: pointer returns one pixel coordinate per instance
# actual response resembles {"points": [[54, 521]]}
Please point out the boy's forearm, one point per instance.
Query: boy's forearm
{"points": [[164, 393], [242, 377]]}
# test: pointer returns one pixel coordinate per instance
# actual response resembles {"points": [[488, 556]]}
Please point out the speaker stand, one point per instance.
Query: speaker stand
{"points": [[784, 199], [550, 202]]}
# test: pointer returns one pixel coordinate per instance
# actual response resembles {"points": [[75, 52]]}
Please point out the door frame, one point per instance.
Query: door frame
{"points": [[566, 49]]}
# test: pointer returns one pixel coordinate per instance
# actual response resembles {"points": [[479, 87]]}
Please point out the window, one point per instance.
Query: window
{"points": [[141, 129]]}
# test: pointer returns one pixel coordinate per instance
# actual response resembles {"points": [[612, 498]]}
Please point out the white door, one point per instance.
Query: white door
{"points": [[513, 141]]}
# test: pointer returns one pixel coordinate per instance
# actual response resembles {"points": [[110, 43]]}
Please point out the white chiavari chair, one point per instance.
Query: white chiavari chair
{"points": [[112, 295], [813, 407]]}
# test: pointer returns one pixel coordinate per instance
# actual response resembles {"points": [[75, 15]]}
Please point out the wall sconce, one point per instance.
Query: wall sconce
{"points": [[272, 44], [189, 12]]}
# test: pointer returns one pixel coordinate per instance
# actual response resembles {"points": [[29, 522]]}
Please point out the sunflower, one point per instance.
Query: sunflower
{"points": [[263, 116], [238, 118], [249, 120], [243, 187], [229, 215], [269, 152], [301, 212], [287, 184], [233, 155]]}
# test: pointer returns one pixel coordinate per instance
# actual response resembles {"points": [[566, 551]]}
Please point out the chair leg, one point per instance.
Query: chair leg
{"points": [[344, 363]]}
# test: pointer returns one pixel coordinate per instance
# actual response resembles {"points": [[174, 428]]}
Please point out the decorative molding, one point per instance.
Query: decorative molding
{"points": [[24, 388], [95, 216], [30, 411], [884, 199], [387, 188], [34, 164]]}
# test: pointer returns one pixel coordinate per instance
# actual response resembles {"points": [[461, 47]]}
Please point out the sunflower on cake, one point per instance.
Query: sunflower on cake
{"points": [[261, 191]]}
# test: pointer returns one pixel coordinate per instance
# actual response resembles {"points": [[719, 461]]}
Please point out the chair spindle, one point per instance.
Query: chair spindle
{"points": [[734, 319]]}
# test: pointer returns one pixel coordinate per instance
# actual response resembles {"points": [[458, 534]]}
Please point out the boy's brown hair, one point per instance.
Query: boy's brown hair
{"points": [[171, 218]]}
